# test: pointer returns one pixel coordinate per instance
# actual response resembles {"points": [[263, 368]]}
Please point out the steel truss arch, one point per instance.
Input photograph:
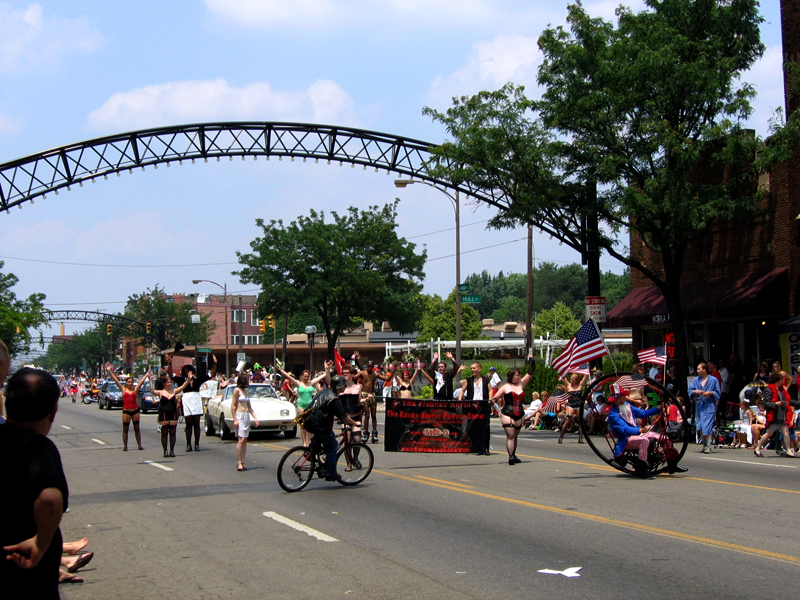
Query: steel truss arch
{"points": [[27, 178], [137, 328]]}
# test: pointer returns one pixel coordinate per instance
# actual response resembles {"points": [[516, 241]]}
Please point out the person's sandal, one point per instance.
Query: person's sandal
{"points": [[758, 454], [348, 468]]}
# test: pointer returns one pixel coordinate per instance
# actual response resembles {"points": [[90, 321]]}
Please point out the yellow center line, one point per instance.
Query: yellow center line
{"points": [[445, 482], [757, 487], [608, 521]]}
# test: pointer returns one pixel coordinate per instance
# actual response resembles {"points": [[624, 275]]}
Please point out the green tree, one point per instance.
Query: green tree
{"points": [[18, 317], [512, 308], [155, 307], [439, 320], [90, 348], [560, 322], [351, 269]]}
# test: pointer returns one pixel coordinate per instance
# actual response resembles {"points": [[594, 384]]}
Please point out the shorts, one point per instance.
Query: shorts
{"points": [[368, 400], [130, 413], [242, 424]]}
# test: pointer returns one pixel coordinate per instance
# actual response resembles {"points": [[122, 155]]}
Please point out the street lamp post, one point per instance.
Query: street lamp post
{"points": [[196, 321], [224, 289], [401, 183], [311, 331]]}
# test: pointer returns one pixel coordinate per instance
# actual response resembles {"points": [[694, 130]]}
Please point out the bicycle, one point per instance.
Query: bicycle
{"points": [[298, 466]]}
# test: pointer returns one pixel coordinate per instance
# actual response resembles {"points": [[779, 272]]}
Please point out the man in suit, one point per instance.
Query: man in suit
{"points": [[477, 388]]}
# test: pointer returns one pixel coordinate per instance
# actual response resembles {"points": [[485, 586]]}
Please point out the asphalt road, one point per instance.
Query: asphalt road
{"points": [[422, 525]]}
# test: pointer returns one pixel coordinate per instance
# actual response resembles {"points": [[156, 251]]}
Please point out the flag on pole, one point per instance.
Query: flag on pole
{"points": [[581, 369], [553, 402], [584, 346], [657, 355], [340, 361], [632, 381]]}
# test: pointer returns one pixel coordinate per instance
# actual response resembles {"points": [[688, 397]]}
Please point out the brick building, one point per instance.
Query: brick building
{"points": [[740, 283]]}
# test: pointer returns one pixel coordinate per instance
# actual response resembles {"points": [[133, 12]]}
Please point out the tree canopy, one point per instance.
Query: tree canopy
{"points": [[559, 322], [347, 270], [439, 320], [17, 316], [154, 306]]}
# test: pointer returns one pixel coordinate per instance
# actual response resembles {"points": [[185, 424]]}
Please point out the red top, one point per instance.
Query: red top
{"points": [[128, 400]]}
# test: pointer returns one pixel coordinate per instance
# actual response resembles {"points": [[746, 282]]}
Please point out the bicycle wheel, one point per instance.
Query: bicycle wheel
{"points": [[296, 468], [359, 459], [670, 445]]}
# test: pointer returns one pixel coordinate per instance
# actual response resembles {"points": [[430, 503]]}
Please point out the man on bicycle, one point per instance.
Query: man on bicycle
{"points": [[330, 398]]}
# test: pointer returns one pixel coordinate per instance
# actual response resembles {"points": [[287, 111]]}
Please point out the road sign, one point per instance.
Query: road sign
{"points": [[240, 356], [463, 287], [470, 299], [207, 350], [596, 308]]}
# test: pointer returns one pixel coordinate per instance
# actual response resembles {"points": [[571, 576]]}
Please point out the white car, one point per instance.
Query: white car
{"points": [[274, 414]]}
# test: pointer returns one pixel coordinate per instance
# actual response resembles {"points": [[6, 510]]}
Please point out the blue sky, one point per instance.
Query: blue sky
{"points": [[71, 71]]}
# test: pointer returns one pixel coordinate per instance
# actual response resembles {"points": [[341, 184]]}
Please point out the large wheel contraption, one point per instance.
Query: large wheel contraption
{"points": [[672, 441]]}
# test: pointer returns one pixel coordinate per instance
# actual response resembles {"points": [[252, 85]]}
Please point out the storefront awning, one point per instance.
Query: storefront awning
{"points": [[739, 296]]}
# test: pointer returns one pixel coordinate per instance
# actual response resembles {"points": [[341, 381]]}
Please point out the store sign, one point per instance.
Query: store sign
{"points": [[596, 308], [669, 340], [660, 319]]}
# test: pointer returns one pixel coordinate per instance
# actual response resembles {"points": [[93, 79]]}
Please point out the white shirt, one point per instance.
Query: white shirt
{"points": [[477, 393], [495, 382]]}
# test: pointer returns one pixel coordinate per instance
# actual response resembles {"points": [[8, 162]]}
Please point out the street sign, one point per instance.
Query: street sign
{"points": [[207, 350], [463, 287], [240, 356], [596, 308], [470, 299]]}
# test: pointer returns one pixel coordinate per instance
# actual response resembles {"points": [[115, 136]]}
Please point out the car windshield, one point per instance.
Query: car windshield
{"points": [[257, 391], [112, 387]]}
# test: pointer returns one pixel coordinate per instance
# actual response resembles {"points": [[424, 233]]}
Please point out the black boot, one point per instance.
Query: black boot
{"points": [[673, 467], [188, 447], [643, 470], [197, 446]]}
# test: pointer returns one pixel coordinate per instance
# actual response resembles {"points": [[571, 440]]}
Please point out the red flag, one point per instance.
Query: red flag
{"points": [[339, 359]]}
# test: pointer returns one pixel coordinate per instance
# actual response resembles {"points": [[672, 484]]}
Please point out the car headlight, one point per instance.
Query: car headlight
{"points": [[284, 413]]}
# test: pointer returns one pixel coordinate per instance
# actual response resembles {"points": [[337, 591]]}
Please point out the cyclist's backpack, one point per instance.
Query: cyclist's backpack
{"points": [[313, 419]]}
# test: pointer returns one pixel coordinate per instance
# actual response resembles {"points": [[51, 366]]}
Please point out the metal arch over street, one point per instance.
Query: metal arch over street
{"points": [[138, 328], [36, 175]]}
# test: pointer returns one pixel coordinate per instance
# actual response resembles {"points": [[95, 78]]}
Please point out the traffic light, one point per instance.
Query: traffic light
{"points": [[147, 327], [108, 329], [271, 321], [262, 327]]}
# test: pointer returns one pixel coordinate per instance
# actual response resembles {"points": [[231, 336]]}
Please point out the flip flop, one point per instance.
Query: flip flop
{"points": [[82, 561], [67, 578]]}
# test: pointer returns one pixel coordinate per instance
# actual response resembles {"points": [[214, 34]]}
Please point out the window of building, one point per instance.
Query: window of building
{"points": [[247, 339], [253, 318], [238, 316]]}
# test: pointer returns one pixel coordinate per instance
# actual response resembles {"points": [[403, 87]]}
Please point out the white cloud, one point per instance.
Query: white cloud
{"points": [[264, 14], [30, 38], [191, 101], [767, 77], [491, 65], [9, 124]]}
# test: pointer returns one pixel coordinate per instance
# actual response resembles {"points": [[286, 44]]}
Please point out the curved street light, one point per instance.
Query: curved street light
{"points": [[224, 289], [402, 183]]}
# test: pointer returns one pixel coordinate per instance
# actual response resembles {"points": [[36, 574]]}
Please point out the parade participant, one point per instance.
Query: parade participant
{"points": [[331, 398], [443, 385], [351, 400], [476, 388], [574, 387], [130, 410], [762, 375], [192, 401], [704, 391], [623, 424], [305, 388], [512, 411], [368, 378], [168, 408], [404, 384], [73, 389], [779, 411], [29, 530], [242, 410]]}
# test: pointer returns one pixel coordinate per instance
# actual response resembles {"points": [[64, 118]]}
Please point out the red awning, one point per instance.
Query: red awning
{"points": [[739, 296]]}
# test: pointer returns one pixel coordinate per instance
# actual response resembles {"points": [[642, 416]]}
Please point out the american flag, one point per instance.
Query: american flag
{"points": [[657, 355], [552, 402], [632, 381], [581, 369], [584, 346]]}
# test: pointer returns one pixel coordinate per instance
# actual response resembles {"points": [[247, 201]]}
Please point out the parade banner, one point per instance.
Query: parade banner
{"points": [[434, 425]]}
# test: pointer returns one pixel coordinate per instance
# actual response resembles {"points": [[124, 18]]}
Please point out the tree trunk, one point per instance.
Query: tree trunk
{"points": [[592, 251], [673, 267]]}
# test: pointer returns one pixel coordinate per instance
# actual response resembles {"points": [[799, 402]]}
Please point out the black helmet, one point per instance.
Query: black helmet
{"points": [[338, 382]]}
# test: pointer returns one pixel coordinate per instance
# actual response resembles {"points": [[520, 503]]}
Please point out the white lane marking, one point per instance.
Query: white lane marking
{"points": [[571, 572], [750, 462], [65, 427], [96, 441], [155, 464], [300, 527]]}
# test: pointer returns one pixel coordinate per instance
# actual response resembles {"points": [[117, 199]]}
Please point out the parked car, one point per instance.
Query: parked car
{"points": [[273, 412], [145, 399], [110, 396]]}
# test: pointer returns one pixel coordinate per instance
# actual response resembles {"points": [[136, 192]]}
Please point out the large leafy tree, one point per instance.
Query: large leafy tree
{"points": [[171, 321], [17, 316], [558, 322], [348, 269], [439, 320], [86, 349], [650, 110]]}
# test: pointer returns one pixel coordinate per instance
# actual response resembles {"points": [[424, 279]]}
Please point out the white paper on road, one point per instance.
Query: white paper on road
{"points": [[571, 572], [300, 527]]}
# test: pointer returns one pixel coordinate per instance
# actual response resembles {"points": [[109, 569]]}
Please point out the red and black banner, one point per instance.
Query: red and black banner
{"points": [[435, 425]]}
